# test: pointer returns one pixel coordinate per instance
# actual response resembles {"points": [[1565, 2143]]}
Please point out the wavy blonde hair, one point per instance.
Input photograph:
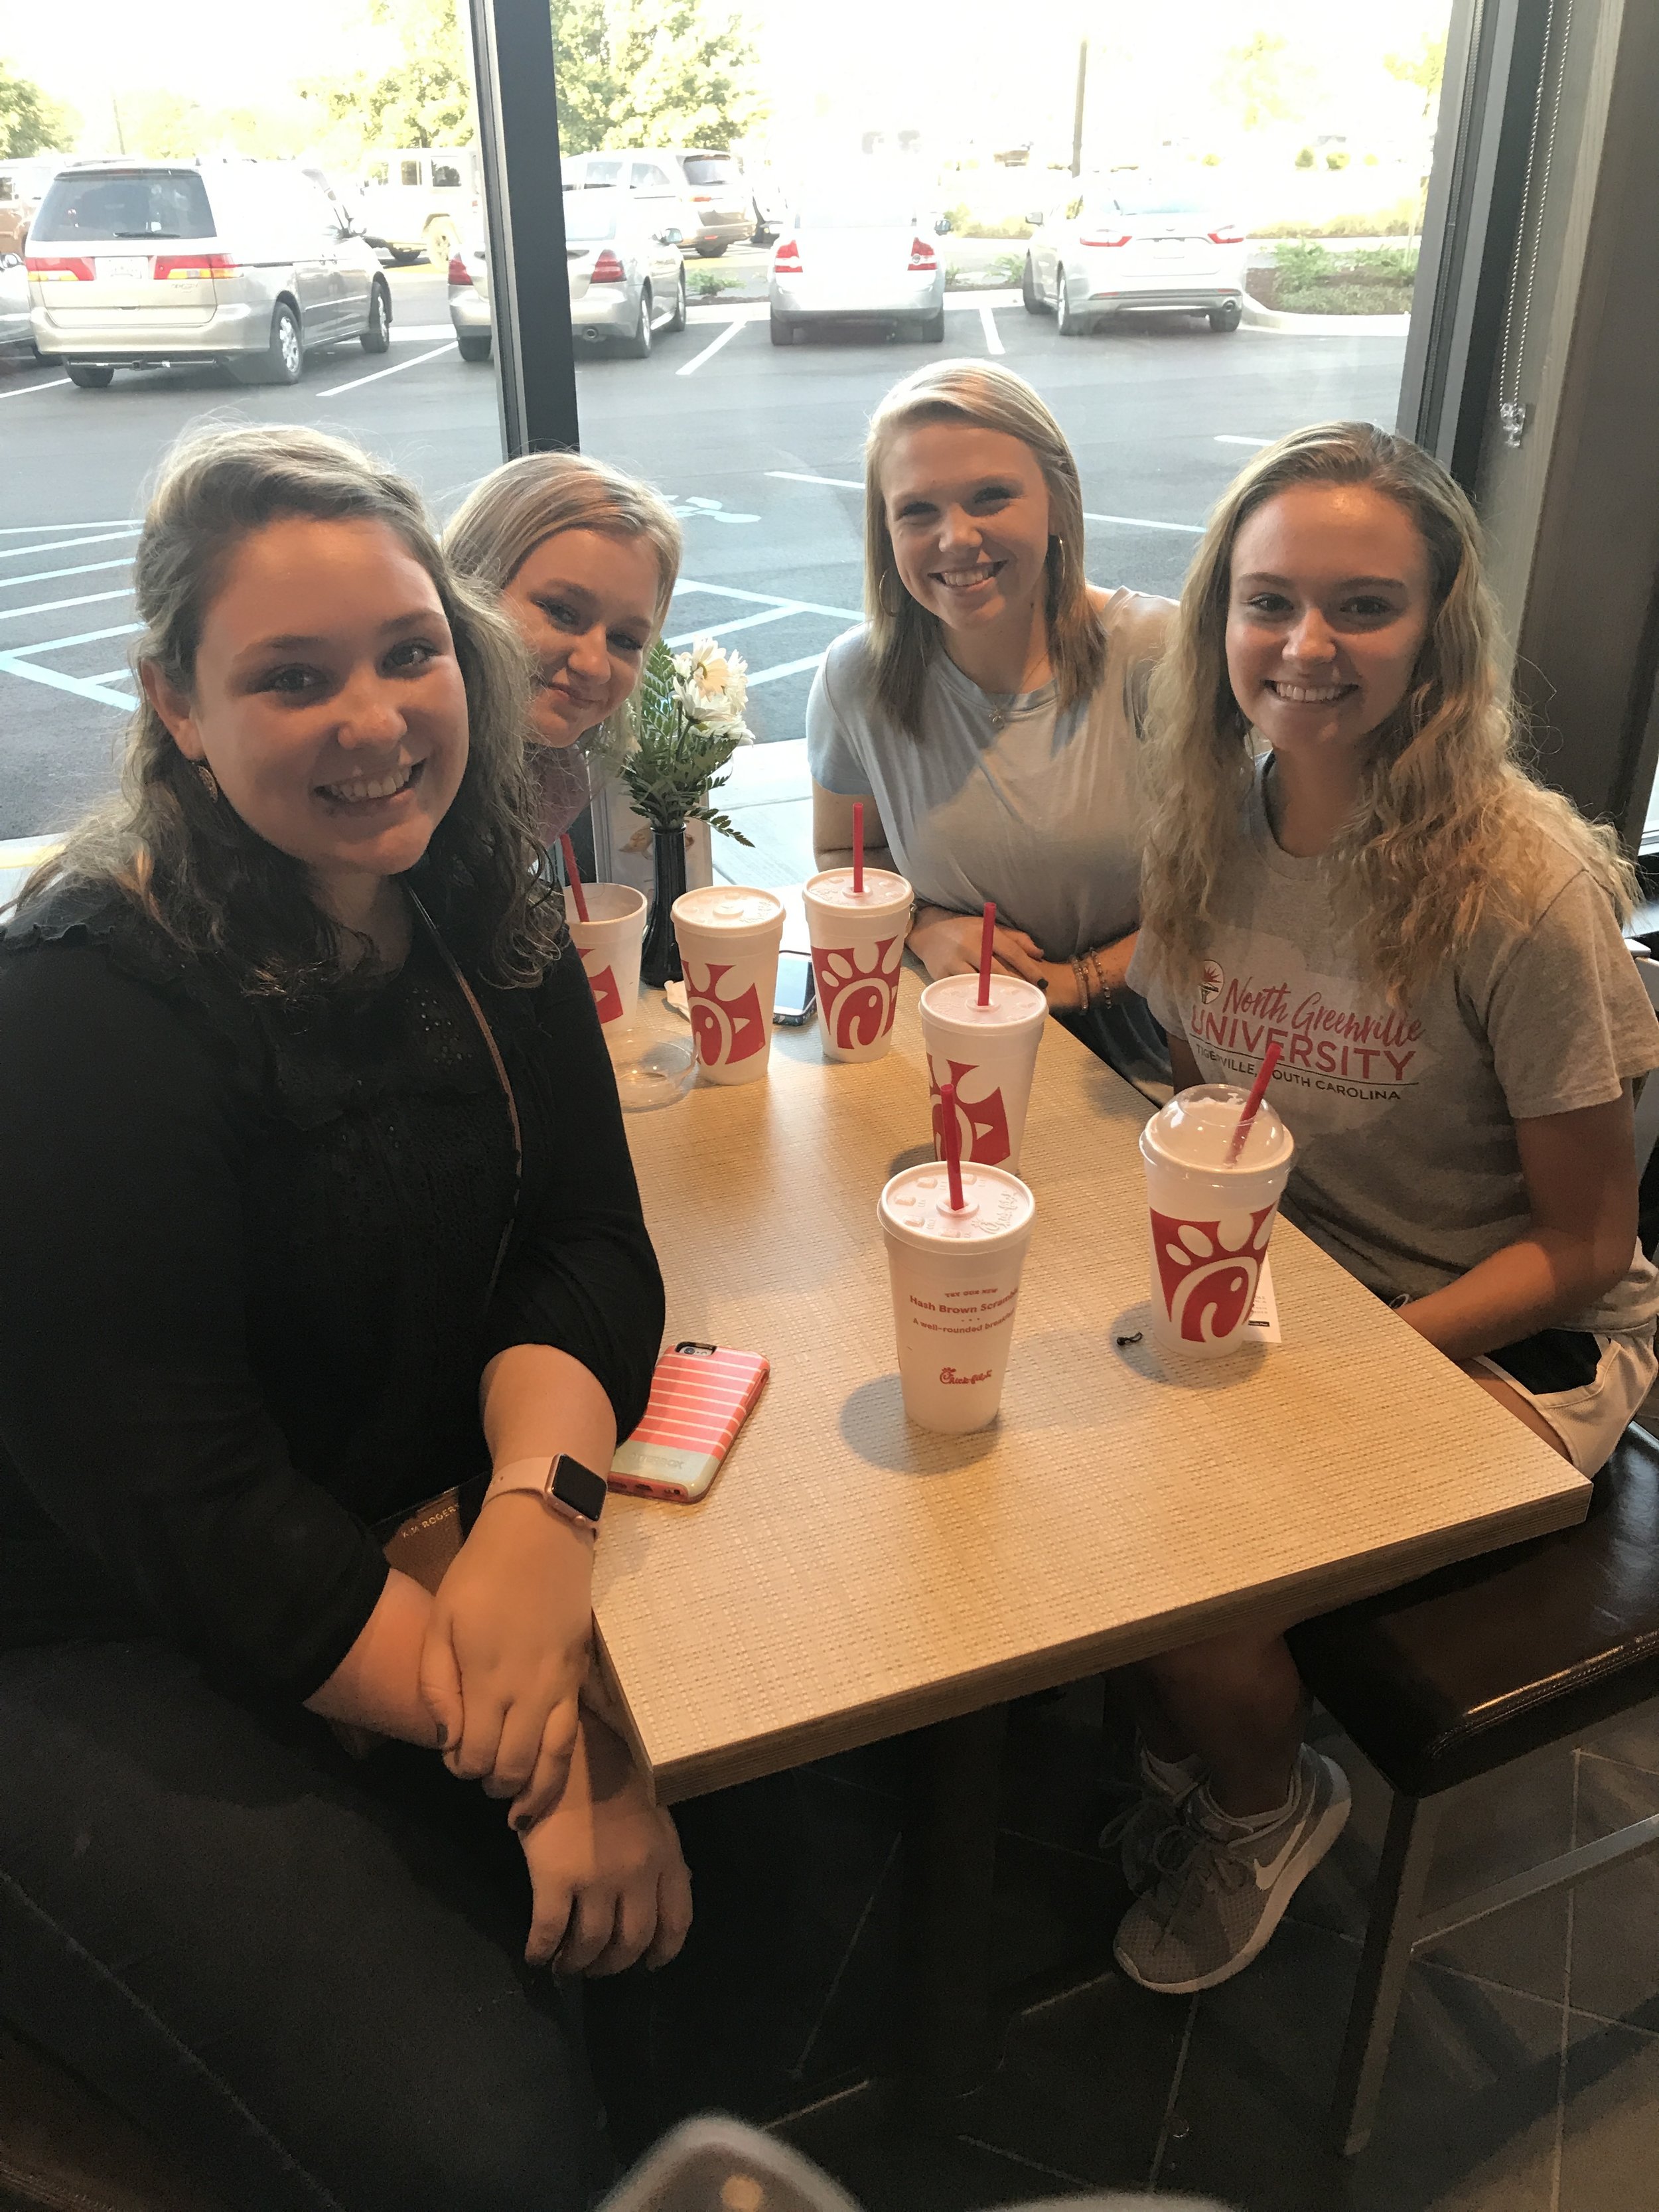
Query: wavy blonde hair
{"points": [[517, 506], [904, 637], [1447, 822]]}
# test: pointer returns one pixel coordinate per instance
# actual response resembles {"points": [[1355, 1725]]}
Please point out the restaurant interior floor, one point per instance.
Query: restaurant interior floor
{"points": [[1525, 2074]]}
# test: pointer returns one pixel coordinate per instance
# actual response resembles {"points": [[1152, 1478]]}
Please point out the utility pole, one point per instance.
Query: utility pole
{"points": [[1077, 115]]}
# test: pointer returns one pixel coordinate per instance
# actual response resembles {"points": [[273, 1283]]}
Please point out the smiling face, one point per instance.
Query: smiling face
{"points": [[968, 512], [327, 700], [585, 602], [1329, 607]]}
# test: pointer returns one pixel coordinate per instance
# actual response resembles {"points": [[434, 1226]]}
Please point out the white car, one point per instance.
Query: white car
{"points": [[627, 283], [849, 253], [421, 200], [700, 191], [1123, 246]]}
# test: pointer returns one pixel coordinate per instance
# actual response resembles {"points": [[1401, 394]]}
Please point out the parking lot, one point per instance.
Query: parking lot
{"points": [[757, 448]]}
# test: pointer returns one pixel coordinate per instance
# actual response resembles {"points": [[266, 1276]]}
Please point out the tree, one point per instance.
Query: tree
{"points": [[1424, 69], [1261, 82], [653, 73], [30, 121], [425, 98]]}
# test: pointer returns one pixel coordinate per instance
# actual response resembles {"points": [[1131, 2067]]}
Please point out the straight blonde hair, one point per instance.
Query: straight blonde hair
{"points": [[517, 506], [1448, 826], [904, 637]]}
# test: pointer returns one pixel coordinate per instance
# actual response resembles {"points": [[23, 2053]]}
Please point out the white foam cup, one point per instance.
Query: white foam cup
{"points": [[858, 947], [729, 936], [609, 942], [990, 1053], [955, 1283], [1210, 1224]]}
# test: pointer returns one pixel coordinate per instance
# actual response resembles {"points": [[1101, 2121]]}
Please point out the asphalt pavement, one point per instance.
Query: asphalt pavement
{"points": [[757, 448]]}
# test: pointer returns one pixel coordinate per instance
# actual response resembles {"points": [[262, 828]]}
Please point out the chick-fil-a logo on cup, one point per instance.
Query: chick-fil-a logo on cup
{"points": [[606, 996], [727, 1023], [858, 990], [983, 1117], [1208, 1270]]}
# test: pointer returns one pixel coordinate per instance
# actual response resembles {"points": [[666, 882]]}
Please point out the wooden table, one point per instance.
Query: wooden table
{"points": [[850, 1577]]}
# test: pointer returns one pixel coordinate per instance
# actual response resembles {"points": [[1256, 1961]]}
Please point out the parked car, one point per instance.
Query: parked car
{"points": [[627, 282], [421, 200], [1125, 245], [22, 187], [17, 338], [857, 254], [697, 190], [135, 265]]}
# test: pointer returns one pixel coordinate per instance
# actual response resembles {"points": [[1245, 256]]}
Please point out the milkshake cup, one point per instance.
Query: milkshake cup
{"points": [[990, 1053], [955, 1279], [729, 937], [858, 946], [1210, 1221], [609, 942]]}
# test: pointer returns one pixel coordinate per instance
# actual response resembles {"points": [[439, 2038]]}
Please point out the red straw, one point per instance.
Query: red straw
{"points": [[573, 877], [952, 1134], [985, 936], [857, 848], [1264, 1076]]}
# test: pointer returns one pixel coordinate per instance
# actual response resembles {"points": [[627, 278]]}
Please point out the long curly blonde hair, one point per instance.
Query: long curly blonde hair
{"points": [[1447, 820], [904, 637]]}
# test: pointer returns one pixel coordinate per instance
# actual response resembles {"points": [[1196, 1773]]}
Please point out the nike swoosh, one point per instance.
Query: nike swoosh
{"points": [[1267, 1876]]}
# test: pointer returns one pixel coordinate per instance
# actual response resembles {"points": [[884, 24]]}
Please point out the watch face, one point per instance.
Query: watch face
{"points": [[578, 1486]]}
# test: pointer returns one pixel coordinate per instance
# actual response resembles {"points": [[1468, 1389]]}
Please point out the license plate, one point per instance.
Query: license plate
{"points": [[124, 268]]}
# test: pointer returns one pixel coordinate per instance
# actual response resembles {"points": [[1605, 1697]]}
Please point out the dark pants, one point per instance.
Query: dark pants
{"points": [[305, 1972]]}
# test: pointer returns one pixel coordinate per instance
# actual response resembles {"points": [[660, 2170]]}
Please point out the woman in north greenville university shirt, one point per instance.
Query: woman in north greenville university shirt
{"points": [[283, 1259]]}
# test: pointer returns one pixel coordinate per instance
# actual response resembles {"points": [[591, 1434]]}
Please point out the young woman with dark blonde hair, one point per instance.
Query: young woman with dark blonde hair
{"points": [[1345, 854], [987, 712], [315, 1201]]}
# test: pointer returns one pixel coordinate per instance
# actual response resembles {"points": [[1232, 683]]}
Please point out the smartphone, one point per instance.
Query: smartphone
{"points": [[701, 1396], [793, 998]]}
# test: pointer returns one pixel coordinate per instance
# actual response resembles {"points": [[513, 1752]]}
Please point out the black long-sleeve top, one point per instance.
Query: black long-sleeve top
{"points": [[245, 1255]]}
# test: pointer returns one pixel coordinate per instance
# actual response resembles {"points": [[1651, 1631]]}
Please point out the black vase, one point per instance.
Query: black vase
{"points": [[660, 959]]}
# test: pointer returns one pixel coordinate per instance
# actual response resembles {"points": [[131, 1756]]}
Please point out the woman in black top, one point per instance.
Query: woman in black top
{"points": [[283, 1259]]}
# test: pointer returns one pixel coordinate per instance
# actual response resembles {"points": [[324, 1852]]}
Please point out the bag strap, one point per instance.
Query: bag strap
{"points": [[501, 1078]]}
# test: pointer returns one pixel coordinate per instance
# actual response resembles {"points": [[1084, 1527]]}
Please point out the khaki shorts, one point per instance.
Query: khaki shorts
{"points": [[1587, 1386]]}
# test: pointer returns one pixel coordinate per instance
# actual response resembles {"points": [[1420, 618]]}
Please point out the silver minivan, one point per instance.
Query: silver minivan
{"points": [[135, 265]]}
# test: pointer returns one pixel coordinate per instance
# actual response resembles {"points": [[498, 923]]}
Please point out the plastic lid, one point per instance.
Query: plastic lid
{"points": [[1013, 1002], [882, 888], [1196, 1127], [916, 1206], [728, 906]]}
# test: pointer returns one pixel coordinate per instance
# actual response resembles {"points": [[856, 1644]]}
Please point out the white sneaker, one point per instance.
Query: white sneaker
{"points": [[1134, 1833]]}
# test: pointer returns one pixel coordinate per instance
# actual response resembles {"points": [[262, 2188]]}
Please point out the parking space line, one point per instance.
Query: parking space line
{"points": [[81, 637], [51, 606], [332, 391], [786, 668], [1223, 439], [989, 325], [697, 360], [740, 622], [769, 600], [1145, 522], [23, 391], [79, 687], [836, 484], [30, 529], [65, 545], [46, 575]]}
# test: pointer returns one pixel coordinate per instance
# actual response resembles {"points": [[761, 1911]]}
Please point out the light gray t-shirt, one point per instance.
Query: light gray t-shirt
{"points": [[1407, 1165], [1039, 813]]}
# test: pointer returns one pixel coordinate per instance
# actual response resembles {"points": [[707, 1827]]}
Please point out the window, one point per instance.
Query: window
{"points": [[711, 169], [409, 173], [648, 176], [445, 177], [600, 171], [125, 204]]}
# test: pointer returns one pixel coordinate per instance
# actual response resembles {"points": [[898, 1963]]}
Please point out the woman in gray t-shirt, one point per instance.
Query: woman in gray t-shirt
{"points": [[987, 713]]}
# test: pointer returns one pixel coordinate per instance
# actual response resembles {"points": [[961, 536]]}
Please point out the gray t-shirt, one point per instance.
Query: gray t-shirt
{"points": [[1407, 1165], [1003, 798]]}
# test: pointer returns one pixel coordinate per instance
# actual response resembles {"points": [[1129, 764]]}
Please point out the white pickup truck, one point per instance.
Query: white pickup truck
{"points": [[421, 200]]}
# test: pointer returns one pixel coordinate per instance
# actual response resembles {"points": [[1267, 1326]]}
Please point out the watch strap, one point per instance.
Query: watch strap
{"points": [[574, 1491]]}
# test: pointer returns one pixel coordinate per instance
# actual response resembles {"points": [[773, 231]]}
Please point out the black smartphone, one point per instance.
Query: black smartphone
{"points": [[793, 1000]]}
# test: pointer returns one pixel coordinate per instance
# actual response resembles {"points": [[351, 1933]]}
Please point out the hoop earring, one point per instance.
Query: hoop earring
{"points": [[209, 782], [892, 613]]}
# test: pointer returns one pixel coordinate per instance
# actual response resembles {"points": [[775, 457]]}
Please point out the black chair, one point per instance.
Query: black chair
{"points": [[62, 2148], [1462, 1673]]}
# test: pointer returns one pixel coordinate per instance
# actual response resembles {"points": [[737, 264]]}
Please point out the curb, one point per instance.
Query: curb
{"points": [[1258, 318]]}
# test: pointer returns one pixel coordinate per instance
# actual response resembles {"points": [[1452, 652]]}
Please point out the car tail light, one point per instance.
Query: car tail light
{"points": [[702, 199], [1105, 238], [786, 262], [1227, 233], [193, 268], [607, 270], [51, 270], [923, 261], [458, 271]]}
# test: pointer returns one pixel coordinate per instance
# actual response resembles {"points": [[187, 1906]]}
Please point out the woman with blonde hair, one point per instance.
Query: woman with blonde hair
{"points": [[584, 560], [1346, 856], [987, 712], [312, 1161]]}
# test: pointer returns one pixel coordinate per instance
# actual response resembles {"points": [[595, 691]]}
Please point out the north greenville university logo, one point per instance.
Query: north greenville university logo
{"points": [[858, 990], [1210, 981], [606, 996], [1209, 1270], [726, 1020], [984, 1119]]}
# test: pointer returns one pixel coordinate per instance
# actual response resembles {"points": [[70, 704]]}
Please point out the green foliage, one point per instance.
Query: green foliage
{"points": [[675, 763], [1304, 159], [168, 127], [654, 73], [1301, 262], [709, 283], [1398, 264], [425, 98], [30, 121], [1336, 159], [1263, 81], [1401, 219], [1306, 279], [1425, 68]]}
